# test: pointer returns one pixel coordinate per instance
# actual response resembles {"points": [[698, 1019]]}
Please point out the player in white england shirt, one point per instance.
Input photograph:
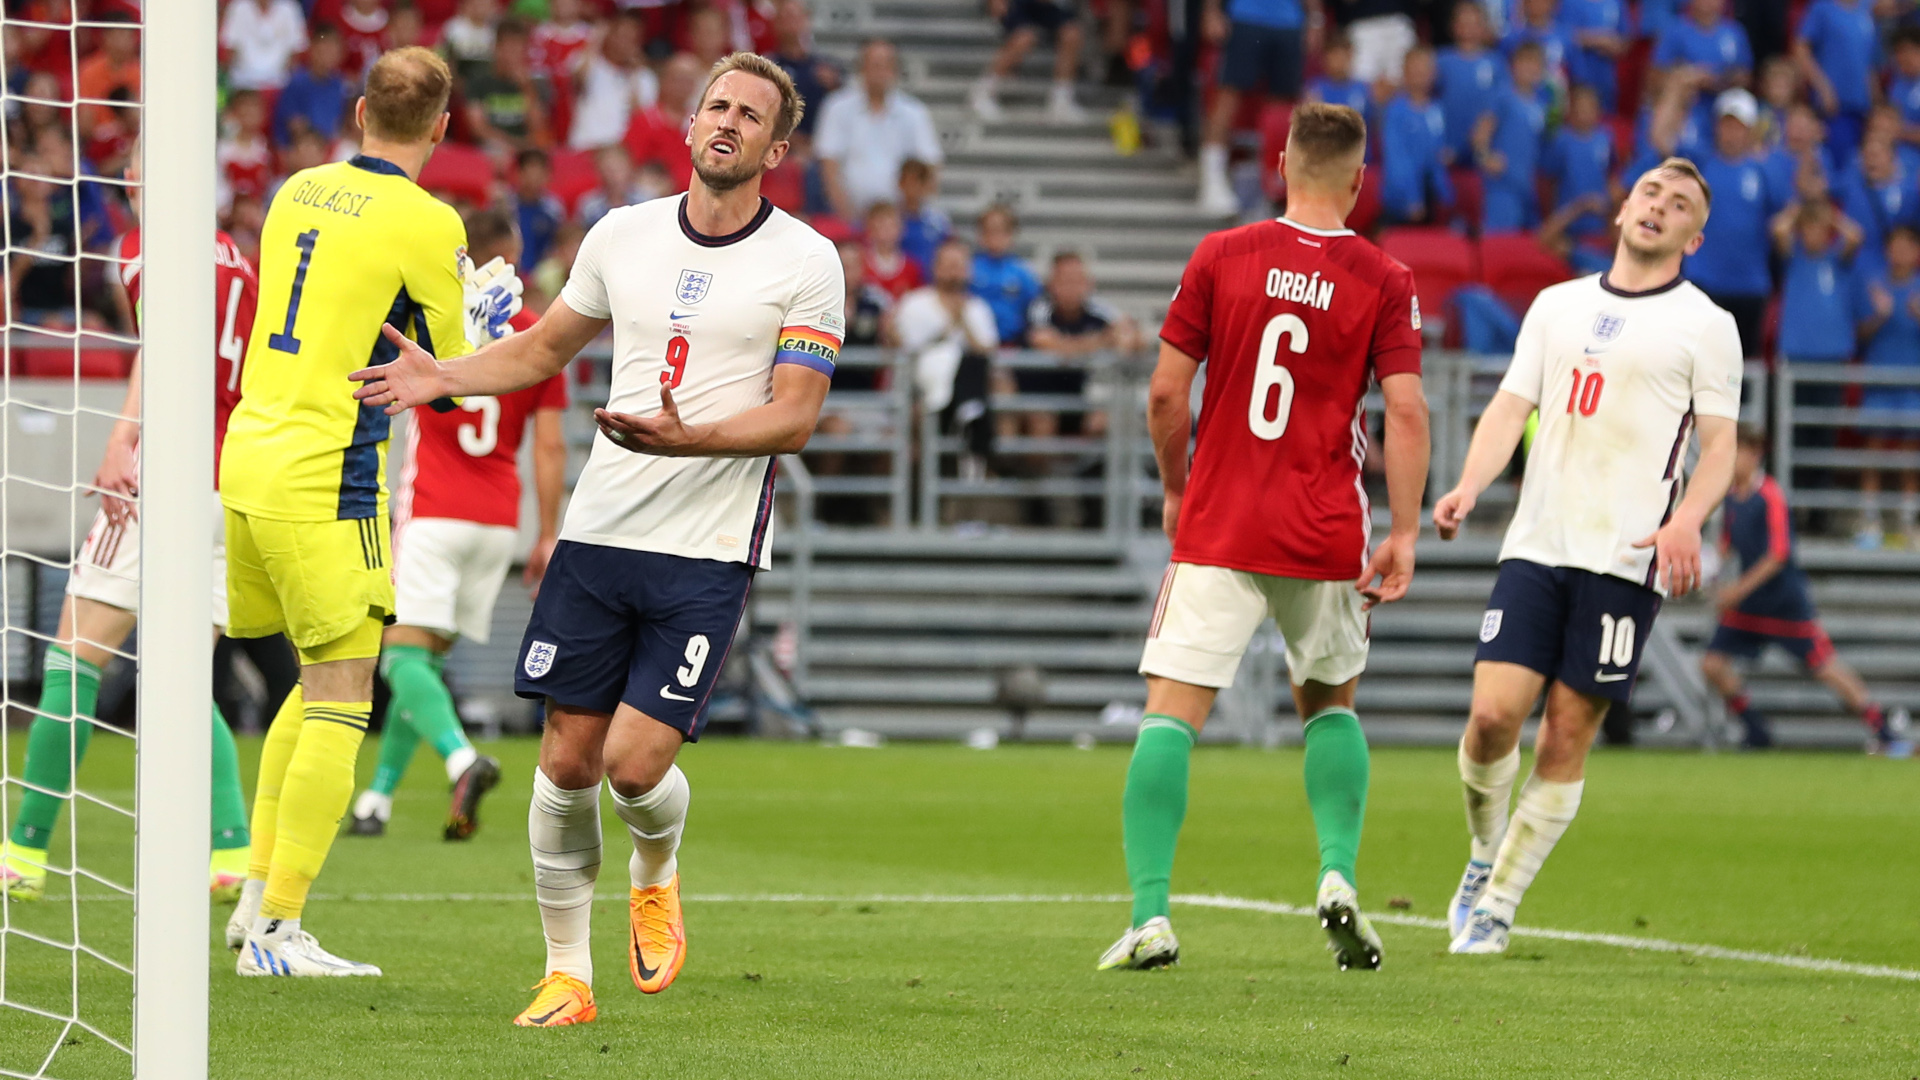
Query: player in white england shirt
{"points": [[1621, 367], [727, 315]]}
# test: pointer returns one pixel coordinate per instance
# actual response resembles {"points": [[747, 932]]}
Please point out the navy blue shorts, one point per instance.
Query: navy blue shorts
{"points": [[1040, 14], [1573, 626], [651, 630], [1262, 55], [1747, 636]]}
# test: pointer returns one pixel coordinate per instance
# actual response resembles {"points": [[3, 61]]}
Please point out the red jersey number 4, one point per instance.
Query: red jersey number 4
{"points": [[1293, 325]]}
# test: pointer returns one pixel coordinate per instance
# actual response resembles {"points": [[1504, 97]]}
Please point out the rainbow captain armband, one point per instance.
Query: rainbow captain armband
{"points": [[808, 347]]}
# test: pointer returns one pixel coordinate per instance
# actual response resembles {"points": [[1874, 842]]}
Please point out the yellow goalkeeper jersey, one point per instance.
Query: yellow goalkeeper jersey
{"points": [[346, 247]]}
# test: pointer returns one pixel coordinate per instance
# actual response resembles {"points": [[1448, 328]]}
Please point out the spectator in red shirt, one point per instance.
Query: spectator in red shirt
{"points": [[887, 265], [114, 66], [363, 29], [659, 131], [244, 156]]}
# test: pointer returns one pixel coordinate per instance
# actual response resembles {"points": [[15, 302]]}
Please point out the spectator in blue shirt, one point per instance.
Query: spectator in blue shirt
{"points": [[1579, 162], [1470, 76], [1264, 53], [1879, 193], [1669, 123], [1599, 32], [1706, 39], [535, 210], [1335, 84], [1904, 91], [1413, 147], [1540, 24], [1001, 278], [1731, 265], [316, 96], [1777, 85], [1656, 17], [1889, 320], [1838, 52], [923, 226], [1818, 244], [1803, 139], [1507, 143]]}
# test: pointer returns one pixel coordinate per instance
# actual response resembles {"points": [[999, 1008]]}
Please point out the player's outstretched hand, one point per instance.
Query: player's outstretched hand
{"points": [[1170, 516], [662, 433], [1676, 551], [413, 378], [1451, 512], [1392, 567]]}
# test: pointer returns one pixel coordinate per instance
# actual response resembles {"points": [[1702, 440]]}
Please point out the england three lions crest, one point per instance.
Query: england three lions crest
{"points": [[540, 658], [1607, 327], [693, 286]]}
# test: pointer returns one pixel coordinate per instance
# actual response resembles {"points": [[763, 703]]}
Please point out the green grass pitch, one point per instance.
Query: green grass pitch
{"points": [[1795, 855]]}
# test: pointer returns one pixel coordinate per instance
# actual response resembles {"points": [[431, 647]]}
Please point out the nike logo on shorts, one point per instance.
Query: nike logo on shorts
{"points": [[1600, 676], [667, 692]]}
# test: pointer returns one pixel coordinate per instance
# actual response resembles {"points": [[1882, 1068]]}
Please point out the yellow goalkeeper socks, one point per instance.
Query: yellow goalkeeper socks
{"points": [[319, 784], [275, 754]]}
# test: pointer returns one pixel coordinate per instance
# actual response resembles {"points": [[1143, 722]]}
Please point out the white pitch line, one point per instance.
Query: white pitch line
{"points": [[1229, 903]]}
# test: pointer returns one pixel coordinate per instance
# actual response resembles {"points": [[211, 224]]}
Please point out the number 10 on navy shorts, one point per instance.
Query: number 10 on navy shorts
{"points": [[1573, 626], [651, 630]]}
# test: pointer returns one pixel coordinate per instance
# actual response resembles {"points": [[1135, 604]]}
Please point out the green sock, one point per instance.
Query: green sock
{"points": [[421, 698], [398, 741], [229, 802], [69, 687], [1336, 768], [1151, 811]]}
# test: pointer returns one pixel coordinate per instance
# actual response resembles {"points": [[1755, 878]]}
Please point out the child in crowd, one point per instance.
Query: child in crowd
{"points": [[535, 210], [1469, 76], [1579, 162], [1890, 329], [1598, 33], [1818, 244], [1001, 278], [1540, 25], [1335, 84], [887, 265], [923, 226], [1413, 147], [1507, 143]]}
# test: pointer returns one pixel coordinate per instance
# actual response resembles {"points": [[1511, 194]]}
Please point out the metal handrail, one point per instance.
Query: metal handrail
{"points": [[796, 474]]}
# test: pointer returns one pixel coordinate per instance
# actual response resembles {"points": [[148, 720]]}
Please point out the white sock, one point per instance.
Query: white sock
{"points": [[373, 804], [988, 85], [1909, 510], [459, 761], [563, 828], [1489, 790], [1063, 92], [1545, 810], [655, 820], [276, 928], [1213, 164]]}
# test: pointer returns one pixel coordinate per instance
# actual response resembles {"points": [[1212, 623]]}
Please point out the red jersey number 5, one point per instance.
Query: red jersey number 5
{"points": [[1266, 416]]}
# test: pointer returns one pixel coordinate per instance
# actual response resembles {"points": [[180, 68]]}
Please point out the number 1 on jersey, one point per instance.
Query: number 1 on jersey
{"points": [[677, 348], [284, 341], [1269, 376]]}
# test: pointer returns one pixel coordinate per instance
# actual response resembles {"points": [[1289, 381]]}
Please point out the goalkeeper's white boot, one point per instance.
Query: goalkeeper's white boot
{"points": [[1485, 935], [1473, 885], [1149, 945], [244, 912], [282, 948], [1350, 936]]}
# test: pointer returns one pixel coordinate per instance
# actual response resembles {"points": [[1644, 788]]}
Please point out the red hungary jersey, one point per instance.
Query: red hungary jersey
{"points": [[1293, 324], [236, 291], [464, 464]]}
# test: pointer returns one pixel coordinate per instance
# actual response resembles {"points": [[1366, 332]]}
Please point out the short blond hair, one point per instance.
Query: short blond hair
{"points": [[1321, 136], [1684, 167], [792, 105], [407, 91]]}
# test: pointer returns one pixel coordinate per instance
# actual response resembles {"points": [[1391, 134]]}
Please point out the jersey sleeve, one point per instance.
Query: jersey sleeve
{"points": [[1395, 349], [432, 279], [1717, 369], [1189, 323], [586, 288], [552, 393], [1527, 374], [815, 324], [1779, 534]]}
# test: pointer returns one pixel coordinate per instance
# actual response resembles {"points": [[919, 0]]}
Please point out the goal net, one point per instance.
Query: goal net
{"points": [[104, 741]]}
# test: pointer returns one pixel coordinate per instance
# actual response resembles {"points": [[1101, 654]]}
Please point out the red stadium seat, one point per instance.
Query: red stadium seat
{"points": [[1516, 268], [1469, 197], [460, 171], [105, 363], [1441, 261], [573, 176], [1274, 123]]}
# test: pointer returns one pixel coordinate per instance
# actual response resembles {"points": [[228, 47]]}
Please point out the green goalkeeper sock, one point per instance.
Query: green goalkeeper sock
{"points": [[1152, 810], [229, 802], [421, 698], [398, 741], [1336, 768], [69, 687]]}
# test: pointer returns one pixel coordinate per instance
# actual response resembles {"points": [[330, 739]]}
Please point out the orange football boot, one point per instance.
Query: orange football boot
{"points": [[658, 936], [562, 1000]]}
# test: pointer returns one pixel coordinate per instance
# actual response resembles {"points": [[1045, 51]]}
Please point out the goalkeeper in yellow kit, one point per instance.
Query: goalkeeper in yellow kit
{"points": [[346, 247]]}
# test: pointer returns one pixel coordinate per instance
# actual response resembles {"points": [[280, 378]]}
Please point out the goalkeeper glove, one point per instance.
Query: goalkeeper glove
{"points": [[491, 294]]}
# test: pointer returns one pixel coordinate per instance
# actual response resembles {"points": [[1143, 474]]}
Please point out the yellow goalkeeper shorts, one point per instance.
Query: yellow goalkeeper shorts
{"points": [[318, 581]]}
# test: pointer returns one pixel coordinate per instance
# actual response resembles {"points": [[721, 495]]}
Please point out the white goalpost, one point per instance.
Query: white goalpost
{"points": [[88, 983]]}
